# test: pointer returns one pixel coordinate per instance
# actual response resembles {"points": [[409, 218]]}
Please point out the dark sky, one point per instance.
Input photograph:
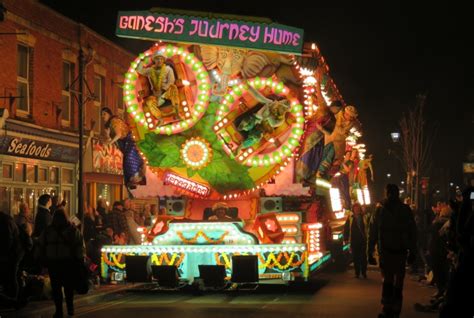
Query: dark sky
{"points": [[381, 55]]}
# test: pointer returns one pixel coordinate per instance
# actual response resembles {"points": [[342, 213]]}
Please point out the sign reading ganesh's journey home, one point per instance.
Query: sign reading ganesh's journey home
{"points": [[22, 147], [181, 28]]}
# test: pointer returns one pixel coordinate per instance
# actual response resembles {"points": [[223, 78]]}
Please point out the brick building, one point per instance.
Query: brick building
{"points": [[40, 54]]}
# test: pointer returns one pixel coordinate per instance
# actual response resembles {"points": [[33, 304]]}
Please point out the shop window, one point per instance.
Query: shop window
{"points": [[7, 171], [31, 199], [66, 196], [18, 197], [19, 172], [54, 175], [67, 176], [5, 198], [31, 173], [42, 174]]}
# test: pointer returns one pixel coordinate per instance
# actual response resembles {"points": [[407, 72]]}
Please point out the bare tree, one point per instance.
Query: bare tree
{"points": [[416, 146]]}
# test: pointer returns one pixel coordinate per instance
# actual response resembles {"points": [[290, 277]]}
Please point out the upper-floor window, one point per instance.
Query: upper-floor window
{"points": [[23, 77], [99, 101], [120, 109], [67, 97]]}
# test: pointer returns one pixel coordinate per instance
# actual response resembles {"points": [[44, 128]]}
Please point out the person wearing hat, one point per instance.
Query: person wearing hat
{"points": [[161, 79], [220, 212]]}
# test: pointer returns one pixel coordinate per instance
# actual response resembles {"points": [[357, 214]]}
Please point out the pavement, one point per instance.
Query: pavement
{"points": [[331, 294]]}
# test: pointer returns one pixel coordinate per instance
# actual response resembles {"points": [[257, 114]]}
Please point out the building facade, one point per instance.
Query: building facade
{"points": [[42, 53]]}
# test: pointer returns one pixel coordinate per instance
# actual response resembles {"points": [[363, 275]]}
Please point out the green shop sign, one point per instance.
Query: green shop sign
{"points": [[211, 31]]}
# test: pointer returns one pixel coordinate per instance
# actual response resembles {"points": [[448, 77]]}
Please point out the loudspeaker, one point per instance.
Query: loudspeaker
{"points": [[271, 204], [175, 207], [166, 275], [212, 275], [244, 269], [137, 269]]}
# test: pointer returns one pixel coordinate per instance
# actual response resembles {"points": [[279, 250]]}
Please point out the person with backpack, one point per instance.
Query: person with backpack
{"points": [[62, 246], [393, 230]]}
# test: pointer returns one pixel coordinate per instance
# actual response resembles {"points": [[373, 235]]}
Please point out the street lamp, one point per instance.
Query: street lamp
{"points": [[395, 136], [388, 175]]}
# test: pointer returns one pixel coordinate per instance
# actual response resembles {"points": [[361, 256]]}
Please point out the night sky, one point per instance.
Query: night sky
{"points": [[380, 55]]}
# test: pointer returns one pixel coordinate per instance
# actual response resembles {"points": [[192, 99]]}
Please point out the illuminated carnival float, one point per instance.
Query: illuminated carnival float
{"points": [[241, 111]]}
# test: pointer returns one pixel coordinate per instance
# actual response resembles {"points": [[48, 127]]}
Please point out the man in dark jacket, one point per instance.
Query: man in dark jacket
{"points": [[393, 230], [43, 217], [355, 232]]}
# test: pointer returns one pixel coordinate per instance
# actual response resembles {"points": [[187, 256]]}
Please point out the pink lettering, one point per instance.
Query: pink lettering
{"points": [[233, 31], [296, 38], [148, 21], [278, 36], [132, 21], [160, 23], [203, 31], [214, 31], [254, 33], [169, 26], [268, 35], [243, 30], [123, 22], [179, 24], [195, 25], [140, 23], [222, 27]]}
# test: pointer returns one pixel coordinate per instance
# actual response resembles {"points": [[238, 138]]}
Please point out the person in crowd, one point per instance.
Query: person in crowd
{"points": [[120, 238], [89, 229], [458, 300], [43, 216], [132, 225], [11, 252], [117, 218], [54, 204], [355, 232], [25, 218], [102, 209], [63, 250], [438, 250], [220, 210], [393, 230]]}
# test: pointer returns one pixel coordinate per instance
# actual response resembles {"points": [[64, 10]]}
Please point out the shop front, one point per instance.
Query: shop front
{"points": [[34, 162]]}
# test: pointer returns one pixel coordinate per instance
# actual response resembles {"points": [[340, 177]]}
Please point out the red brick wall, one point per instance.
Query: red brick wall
{"points": [[54, 33]]}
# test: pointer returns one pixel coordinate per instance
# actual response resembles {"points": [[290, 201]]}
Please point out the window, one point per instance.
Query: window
{"points": [[31, 174], [67, 176], [5, 199], [19, 172], [7, 171], [23, 87], [120, 110], [54, 175], [42, 174], [98, 102], [66, 102], [98, 89]]}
